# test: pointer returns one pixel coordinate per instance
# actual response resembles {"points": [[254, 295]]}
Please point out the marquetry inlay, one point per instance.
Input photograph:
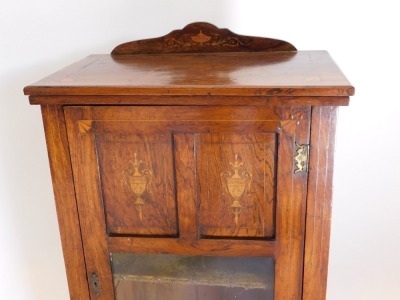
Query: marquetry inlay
{"points": [[137, 180], [236, 182]]}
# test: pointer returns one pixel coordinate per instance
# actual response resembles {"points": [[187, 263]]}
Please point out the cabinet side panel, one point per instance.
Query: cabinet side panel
{"points": [[319, 203], [64, 193]]}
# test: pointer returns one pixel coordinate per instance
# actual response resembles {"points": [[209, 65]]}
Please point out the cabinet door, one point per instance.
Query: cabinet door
{"points": [[203, 180]]}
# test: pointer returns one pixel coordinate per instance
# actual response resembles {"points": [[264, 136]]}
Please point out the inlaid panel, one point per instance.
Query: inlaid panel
{"points": [[136, 174], [236, 179]]}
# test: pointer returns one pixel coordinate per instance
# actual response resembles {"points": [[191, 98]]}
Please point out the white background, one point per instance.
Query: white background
{"points": [[39, 37]]}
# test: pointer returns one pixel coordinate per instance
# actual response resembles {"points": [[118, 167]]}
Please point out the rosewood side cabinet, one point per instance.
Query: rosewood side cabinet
{"points": [[197, 165]]}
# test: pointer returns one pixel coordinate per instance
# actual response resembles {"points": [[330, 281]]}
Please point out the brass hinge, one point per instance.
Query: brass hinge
{"points": [[301, 158], [95, 284]]}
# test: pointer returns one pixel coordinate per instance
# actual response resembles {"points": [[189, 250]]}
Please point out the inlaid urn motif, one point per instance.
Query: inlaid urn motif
{"points": [[236, 182], [137, 180], [201, 38]]}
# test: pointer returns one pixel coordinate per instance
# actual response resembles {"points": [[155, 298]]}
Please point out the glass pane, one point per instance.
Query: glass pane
{"points": [[181, 277]]}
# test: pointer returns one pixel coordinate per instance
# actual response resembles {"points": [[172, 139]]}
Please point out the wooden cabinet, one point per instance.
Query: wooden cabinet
{"points": [[197, 165]]}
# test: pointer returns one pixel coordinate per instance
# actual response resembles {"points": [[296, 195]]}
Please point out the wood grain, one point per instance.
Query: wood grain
{"points": [[304, 73], [319, 203], [290, 211], [183, 113], [253, 154], [188, 119], [216, 247], [91, 211], [202, 37], [155, 214], [186, 186], [289, 124], [188, 100], [64, 193]]}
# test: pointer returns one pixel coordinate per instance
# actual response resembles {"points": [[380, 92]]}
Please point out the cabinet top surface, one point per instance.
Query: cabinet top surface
{"points": [[284, 73]]}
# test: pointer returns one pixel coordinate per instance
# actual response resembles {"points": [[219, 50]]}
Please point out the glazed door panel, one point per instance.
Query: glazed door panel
{"points": [[185, 277]]}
